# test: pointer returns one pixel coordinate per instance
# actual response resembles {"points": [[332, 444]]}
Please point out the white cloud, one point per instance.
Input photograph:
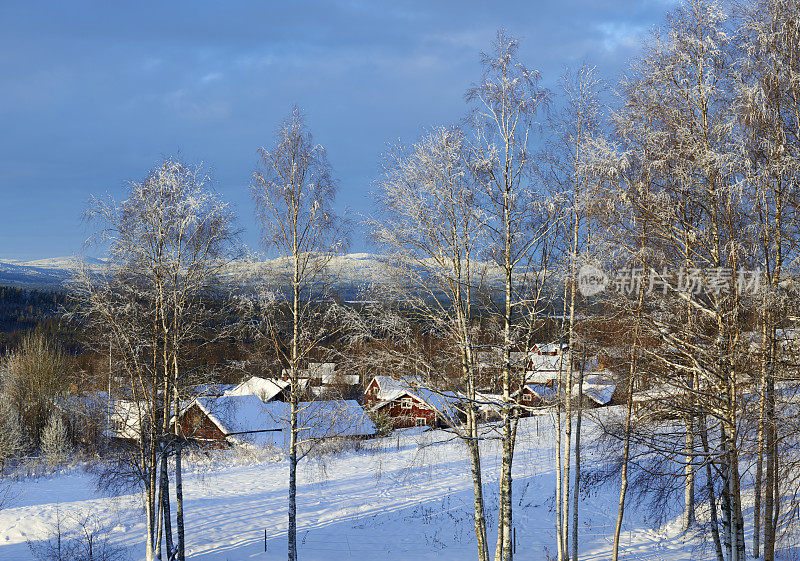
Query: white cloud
{"points": [[619, 34]]}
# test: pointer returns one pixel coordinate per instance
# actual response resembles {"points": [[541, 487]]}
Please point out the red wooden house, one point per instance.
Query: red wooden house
{"points": [[408, 404]]}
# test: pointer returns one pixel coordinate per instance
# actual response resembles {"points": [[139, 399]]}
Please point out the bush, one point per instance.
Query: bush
{"points": [[87, 542], [11, 440], [55, 441]]}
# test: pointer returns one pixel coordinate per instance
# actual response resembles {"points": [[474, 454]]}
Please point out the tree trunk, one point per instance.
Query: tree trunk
{"points": [[165, 511], [150, 490], [480, 514], [292, 533], [159, 521], [577, 482], [623, 486], [504, 523], [712, 500], [181, 553], [759, 473], [688, 489], [559, 483]]}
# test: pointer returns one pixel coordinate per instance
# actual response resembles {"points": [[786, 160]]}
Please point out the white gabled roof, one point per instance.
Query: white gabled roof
{"points": [[547, 363], [391, 389], [599, 393], [321, 369], [551, 347], [245, 419], [265, 388], [240, 416]]}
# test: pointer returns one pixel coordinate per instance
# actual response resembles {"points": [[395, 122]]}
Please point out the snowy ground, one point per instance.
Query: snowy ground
{"points": [[405, 497]]}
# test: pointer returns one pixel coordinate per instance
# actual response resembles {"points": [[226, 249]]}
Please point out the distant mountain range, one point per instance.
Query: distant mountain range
{"points": [[354, 276], [352, 273]]}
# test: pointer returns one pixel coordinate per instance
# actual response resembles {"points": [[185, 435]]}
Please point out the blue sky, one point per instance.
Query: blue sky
{"points": [[93, 94]]}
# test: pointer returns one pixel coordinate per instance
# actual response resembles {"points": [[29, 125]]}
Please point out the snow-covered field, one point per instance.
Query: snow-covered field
{"points": [[405, 497]]}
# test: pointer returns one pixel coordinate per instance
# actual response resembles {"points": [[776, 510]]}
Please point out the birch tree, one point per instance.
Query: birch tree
{"points": [[570, 132], [168, 242], [770, 112], [678, 123], [431, 229], [505, 105], [294, 191]]}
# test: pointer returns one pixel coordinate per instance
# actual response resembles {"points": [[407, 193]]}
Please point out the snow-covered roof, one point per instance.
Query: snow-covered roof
{"points": [[339, 378], [599, 393], [550, 347], [541, 376], [658, 392], [211, 389], [265, 388], [540, 390], [245, 419], [389, 389], [321, 369], [546, 363]]}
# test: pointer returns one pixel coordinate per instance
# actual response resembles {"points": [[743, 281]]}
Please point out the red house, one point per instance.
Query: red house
{"points": [[409, 404]]}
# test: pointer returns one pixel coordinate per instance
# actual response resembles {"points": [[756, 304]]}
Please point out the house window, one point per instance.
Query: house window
{"points": [[405, 403], [420, 421], [526, 397]]}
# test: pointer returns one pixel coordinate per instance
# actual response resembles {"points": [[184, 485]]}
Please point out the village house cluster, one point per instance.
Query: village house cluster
{"points": [[256, 412]]}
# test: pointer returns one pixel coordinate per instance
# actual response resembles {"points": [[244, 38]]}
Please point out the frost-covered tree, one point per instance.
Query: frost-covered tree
{"points": [[168, 242], [294, 191], [505, 105], [37, 373], [570, 132], [769, 103], [430, 227], [55, 440], [11, 433], [680, 174]]}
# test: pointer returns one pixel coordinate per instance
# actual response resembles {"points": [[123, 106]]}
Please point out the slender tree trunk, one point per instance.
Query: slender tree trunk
{"points": [[179, 522], [566, 458], [688, 488], [293, 483], [757, 492], [623, 486], [159, 522], [179, 502], [503, 549], [577, 483], [712, 500], [477, 486], [464, 314], [294, 401], [150, 490], [559, 483], [727, 499], [165, 511]]}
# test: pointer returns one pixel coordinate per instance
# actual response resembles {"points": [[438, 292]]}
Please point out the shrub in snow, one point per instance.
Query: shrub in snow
{"points": [[11, 440], [55, 441], [85, 540]]}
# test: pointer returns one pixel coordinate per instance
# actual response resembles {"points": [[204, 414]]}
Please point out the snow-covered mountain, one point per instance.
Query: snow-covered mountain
{"points": [[44, 274], [352, 273]]}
